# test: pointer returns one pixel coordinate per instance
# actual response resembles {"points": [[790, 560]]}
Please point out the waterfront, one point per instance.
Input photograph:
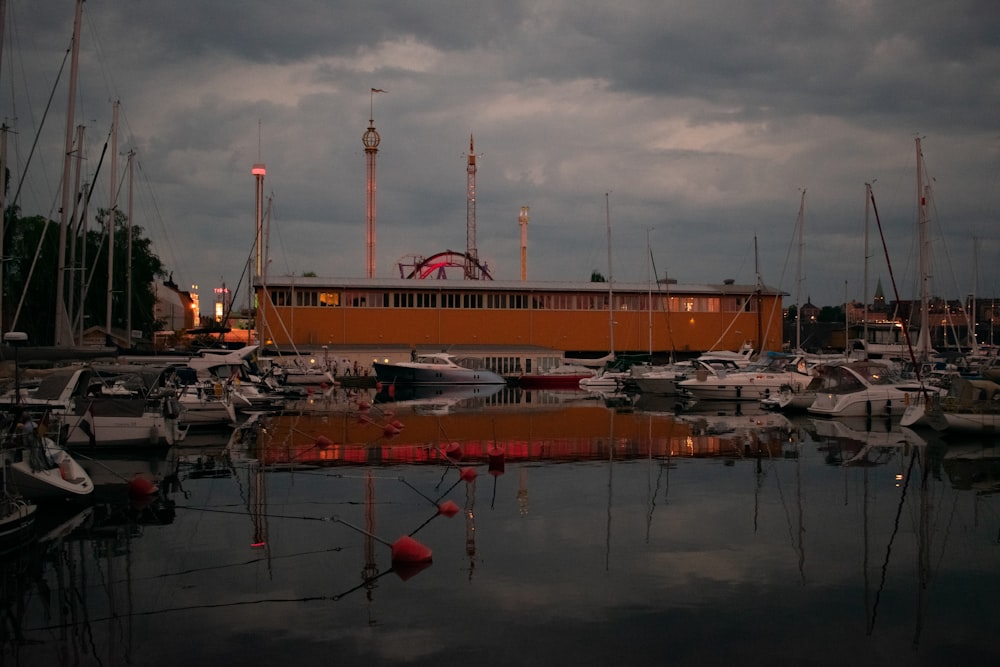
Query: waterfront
{"points": [[587, 531]]}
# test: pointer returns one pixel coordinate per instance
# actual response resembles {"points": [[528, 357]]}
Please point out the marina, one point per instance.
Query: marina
{"points": [[426, 454], [520, 527]]}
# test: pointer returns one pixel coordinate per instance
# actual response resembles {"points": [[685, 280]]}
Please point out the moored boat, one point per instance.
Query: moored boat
{"points": [[39, 469], [866, 389], [436, 368], [753, 382], [561, 376], [970, 406]]}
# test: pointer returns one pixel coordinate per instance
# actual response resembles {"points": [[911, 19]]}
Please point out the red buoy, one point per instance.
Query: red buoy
{"points": [[378, 386], [448, 508], [409, 570], [408, 550], [323, 441], [495, 463], [389, 430], [392, 391], [364, 405], [468, 474], [397, 424], [140, 487], [453, 451]]}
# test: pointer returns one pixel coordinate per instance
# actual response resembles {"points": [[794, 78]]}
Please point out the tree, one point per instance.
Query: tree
{"points": [[26, 237], [831, 314]]}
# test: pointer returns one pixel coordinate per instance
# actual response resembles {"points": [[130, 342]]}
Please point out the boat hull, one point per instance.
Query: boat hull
{"points": [[561, 381], [407, 374], [16, 522]]}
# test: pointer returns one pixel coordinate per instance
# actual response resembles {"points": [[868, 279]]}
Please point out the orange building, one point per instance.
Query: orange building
{"points": [[575, 318]]}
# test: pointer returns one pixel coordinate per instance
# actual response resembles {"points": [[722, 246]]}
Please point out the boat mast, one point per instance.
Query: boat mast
{"points": [[974, 338], [649, 296], [798, 288], [760, 298], [112, 205], [128, 261], [869, 198], [611, 307], [62, 326], [923, 194]]}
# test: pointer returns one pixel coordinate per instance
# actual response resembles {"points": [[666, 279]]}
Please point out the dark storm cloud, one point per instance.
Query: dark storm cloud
{"points": [[702, 120]]}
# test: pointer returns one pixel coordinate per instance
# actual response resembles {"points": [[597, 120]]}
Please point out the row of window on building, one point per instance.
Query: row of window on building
{"points": [[309, 298]]}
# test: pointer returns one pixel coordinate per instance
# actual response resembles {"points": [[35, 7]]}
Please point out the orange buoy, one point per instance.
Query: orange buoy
{"points": [[408, 550]]}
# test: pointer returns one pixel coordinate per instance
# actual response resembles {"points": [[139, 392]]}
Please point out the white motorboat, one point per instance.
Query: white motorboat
{"points": [[866, 389], [105, 406], [751, 383], [39, 469], [436, 368]]}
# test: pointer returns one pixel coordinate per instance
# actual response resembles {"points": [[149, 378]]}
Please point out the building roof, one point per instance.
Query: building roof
{"points": [[274, 282]]}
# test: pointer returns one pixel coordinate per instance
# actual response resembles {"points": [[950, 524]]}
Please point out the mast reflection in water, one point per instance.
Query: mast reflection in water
{"points": [[562, 528]]}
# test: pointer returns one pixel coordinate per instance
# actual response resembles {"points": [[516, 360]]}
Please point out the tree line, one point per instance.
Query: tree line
{"points": [[30, 268]]}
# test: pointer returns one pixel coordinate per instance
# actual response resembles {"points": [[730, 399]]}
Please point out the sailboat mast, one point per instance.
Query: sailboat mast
{"points": [[798, 287], [62, 318], [111, 213], [974, 338], [760, 298], [128, 262], [923, 194], [611, 306], [864, 288], [649, 296]]}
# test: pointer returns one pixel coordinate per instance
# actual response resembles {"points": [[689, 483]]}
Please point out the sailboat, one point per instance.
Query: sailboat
{"points": [[871, 388], [608, 379]]}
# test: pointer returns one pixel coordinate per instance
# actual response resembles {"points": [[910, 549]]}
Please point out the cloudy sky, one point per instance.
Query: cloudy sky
{"points": [[704, 121]]}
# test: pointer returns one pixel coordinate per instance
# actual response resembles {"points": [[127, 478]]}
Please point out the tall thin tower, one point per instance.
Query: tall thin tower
{"points": [[258, 171], [522, 220], [471, 254], [371, 140]]}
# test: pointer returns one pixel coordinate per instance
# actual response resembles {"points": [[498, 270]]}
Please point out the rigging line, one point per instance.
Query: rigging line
{"points": [[85, 207], [157, 215], [38, 134], [34, 260], [670, 330], [888, 548], [895, 290], [263, 515]]}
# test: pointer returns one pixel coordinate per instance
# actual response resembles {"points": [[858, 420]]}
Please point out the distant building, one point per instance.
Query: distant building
{"points": [[174, 309], [810, 313]]}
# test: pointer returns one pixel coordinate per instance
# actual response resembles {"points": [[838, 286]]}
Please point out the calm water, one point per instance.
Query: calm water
{"points": [[587, 532]]}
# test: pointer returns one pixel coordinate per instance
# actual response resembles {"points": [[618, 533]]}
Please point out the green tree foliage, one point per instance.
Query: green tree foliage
{"points": [[24, 238], [831, 314]]}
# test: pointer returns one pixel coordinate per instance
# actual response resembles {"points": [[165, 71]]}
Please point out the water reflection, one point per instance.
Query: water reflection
{"points": [[568, 523]]}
